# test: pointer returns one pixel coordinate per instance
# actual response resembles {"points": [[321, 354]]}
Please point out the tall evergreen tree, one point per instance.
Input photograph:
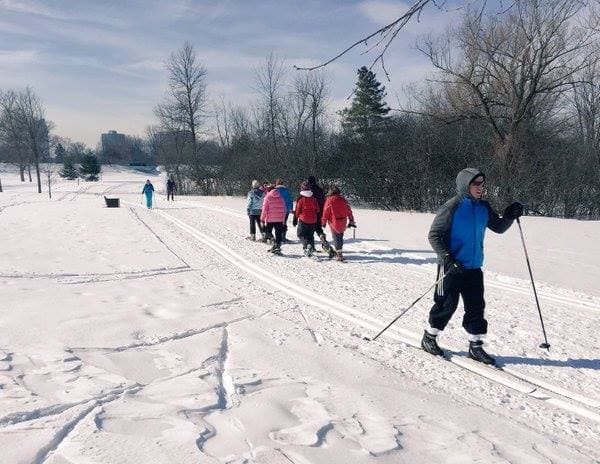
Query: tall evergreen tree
{"points": [[90, 167], [368, 108], [68, 171], [60, 154]]}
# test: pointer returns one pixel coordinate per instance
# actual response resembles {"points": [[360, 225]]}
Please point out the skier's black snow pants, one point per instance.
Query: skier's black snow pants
{"points": [[469, 285], [285, 227], [171, 193], [306, 233], [338, 240], [278, 226], [254, 221]]}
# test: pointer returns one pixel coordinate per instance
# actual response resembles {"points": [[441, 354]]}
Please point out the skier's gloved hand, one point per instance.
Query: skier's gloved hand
{"points": [[295, 221], [451, 266], [514, 210], [352, 223]]}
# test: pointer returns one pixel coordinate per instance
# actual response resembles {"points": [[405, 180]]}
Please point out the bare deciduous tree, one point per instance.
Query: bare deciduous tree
{"points": [[269, 83], [187, 92], [508, 69]]}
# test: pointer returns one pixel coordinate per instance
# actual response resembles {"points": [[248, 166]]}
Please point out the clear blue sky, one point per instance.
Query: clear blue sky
{"points": [[98, 65]]}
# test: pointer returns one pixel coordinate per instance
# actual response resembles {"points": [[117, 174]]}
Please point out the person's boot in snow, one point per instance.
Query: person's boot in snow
{"points": [[309, 251], [252, 237], [339, 256], [275, 249], [324, 243], [429, 344], [477, 353]]}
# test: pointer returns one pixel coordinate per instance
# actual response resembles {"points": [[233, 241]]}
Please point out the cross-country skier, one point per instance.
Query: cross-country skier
{"points": [[456, 235], [338, 214], [148, 190], [273, 215], [254, 208], [320, 197], [171, 189], [306, 216], [289, 204]]}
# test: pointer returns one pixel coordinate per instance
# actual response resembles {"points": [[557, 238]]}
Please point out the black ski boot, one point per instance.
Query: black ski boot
{"points": [[429, 344], [275, 249], [477, 353]]}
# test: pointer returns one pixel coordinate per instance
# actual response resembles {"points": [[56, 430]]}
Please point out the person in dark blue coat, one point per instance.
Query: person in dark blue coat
{"points": [[456, 235], [148, 191], [289, 204]]}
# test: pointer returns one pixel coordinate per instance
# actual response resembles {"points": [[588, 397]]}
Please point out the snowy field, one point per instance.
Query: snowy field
{"points": [[129, 335]]}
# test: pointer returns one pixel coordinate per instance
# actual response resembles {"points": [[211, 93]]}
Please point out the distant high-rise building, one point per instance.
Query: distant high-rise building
{"points": [[112, 140]]}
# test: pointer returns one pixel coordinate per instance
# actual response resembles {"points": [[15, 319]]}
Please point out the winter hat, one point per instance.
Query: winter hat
{"points": [[255, 184], [464, 178], [334, 190], [305, 190]]}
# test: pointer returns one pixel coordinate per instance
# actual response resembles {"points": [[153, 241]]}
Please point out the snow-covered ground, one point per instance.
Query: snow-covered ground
{"points": [[129, 335]]}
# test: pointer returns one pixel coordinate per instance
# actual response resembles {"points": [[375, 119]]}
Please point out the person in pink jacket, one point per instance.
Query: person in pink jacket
{"points": [[273, 216], [338, 214]]}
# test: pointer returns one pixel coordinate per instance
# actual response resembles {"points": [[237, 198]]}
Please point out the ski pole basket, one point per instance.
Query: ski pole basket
{"points": [[111, 202]]}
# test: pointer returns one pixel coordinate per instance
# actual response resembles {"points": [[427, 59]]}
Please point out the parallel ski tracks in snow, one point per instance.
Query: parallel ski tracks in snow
{"points": [[572, 301], [506, 376]]}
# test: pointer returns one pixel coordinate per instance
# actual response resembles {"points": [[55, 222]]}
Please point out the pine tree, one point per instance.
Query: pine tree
{"points": [[60, 153], [90, 167], [368, 108], [68, 171]]}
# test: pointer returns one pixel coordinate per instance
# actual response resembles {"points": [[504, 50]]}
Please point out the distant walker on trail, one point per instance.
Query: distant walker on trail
{"points": [[171, 189], [148, 191], [456, 235]]}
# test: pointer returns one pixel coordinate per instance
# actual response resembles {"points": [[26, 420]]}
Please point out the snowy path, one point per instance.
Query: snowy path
{"points": [[132, 335]]}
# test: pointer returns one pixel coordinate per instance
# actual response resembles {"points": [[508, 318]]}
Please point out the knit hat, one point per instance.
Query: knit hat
{"points": [[305, 190]]}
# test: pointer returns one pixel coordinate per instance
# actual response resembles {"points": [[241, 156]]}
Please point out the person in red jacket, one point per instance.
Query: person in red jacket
{"points": [[338, 214], [306, 216], [273, 215]]}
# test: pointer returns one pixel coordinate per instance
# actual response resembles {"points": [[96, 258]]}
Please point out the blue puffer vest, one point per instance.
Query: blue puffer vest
{"points": [[469, 222]]}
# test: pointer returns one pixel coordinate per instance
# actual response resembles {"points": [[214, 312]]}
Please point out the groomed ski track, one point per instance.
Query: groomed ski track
{"points": [[508, 377]]}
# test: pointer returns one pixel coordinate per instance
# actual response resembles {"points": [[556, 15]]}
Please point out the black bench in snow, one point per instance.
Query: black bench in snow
{"points": [[111, 202]]}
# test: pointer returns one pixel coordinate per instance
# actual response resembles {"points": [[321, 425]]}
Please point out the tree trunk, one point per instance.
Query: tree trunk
{"points": [[0, 185], [22, 172], [29, 171], [37, 173]]}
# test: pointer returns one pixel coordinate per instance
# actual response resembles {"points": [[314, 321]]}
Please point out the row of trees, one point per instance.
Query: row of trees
{"points": [[516, 93]]}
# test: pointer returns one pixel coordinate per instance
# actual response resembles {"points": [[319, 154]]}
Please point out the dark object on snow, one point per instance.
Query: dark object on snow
{"points": [[112, 202]]}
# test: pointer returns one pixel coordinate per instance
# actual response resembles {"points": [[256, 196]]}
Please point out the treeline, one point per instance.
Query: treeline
{"points": [[515, 93]]}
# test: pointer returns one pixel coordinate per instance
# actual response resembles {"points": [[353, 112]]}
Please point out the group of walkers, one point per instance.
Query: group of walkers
{"points": [[148, 191], [456, 235], [269, 207]]}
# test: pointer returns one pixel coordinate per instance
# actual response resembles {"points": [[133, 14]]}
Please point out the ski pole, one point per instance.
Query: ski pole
{"points": [[405, 310], [545, 345]]}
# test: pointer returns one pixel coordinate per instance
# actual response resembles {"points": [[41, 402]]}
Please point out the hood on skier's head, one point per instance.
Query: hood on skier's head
{"points": [[464, 179], [305, 190], [255, 184], [334, 190], [278, 183]]}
